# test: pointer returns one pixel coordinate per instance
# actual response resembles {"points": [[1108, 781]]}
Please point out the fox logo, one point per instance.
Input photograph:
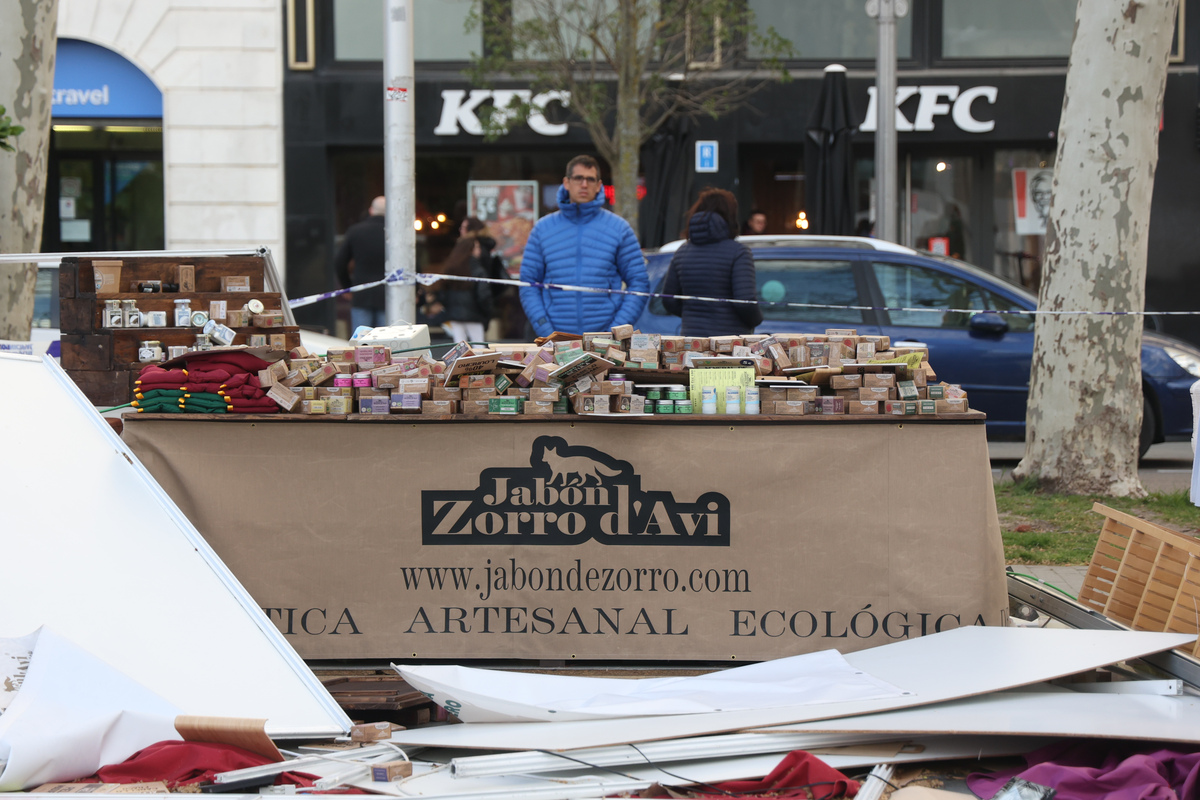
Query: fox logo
{"points": [[563, 467]]}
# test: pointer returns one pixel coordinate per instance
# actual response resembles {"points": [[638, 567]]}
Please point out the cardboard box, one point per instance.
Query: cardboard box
{"points": [[862, 407], [278, 341], [293, 378], [884, 379], [439, 407], [374, 405], [421, 386], [927, 407], [808, 393], [831, 405], [340, 404], [339, 354], [313, 407], [615, 354], [474, 406], [326, 392], [881, 393], [479, 382], [284, 397], [622, 332], [725, 344], [235, 283], [952, 405], [772, 394], [480, 394], [185, 276], [371, 732], [901, 408], [267, 319], [237, 318], [795, 407], [304, 392], [538, 407], [405, 402], [643, 355], [865, 351], [361, 392], [670, 344], [447, 393], [544, 393], [846, 394], [391, 770], [217, 309], [505, 405], [906, 390], [645, 341], [846, 382], [322, 374], [611, 387], [108, 277]]}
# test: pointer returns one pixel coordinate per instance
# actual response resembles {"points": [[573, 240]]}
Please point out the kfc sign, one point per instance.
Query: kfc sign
{"points": [[935, 101], [459, 107]]}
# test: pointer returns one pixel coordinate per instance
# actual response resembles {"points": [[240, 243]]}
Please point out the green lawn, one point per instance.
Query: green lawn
{"points": [[1041, 528]]}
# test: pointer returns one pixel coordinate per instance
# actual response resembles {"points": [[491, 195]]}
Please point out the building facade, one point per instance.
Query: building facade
{"points": [[168, 126]]}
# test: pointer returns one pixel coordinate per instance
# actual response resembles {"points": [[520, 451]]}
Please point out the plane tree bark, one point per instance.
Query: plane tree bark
{"points": [[1085, 395], [27, 46]]}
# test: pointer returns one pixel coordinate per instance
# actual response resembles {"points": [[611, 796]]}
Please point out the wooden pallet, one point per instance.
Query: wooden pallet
{"points": [[1144, 576]]}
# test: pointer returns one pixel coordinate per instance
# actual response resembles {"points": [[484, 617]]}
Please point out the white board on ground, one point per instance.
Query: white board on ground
{"points": [[1065, 713], [489, 695], [93, 548], [943, 666], [431, 784]]}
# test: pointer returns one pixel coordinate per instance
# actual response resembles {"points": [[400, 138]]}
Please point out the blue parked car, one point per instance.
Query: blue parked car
{"points": [[988, 354]]}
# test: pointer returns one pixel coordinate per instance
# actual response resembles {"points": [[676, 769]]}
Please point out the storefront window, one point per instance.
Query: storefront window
{"points": [[572, 26], [438, 33], [1020, 205], [824, 30], [938, 213], [1012, 29]]}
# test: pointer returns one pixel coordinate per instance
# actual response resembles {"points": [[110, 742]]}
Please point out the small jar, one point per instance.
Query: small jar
{"points": [[683, 406], [202, 342], [255, 306], [664, 407], [616, 377], [150, 351], [654, 394], [176, 350], [733, 400], [199, 319], [183, 313], [677, 394], [114, 317]]}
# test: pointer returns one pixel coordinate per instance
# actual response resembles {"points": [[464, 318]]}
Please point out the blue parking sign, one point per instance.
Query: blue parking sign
{"points": [[706, 156]]}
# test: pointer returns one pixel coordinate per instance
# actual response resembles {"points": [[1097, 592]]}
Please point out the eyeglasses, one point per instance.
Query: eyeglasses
{"points": [[588, 179]]}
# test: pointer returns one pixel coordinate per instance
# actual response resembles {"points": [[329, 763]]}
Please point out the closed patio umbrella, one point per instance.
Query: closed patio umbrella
{"points": [[829, 158]]}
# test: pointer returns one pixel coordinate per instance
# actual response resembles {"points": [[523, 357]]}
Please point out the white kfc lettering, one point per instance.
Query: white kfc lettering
{"points": [[460, 117], [930, 105]]}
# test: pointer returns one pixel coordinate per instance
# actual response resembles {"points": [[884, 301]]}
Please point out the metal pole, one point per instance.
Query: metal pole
{"points": [[399, 158], [885, 13]]}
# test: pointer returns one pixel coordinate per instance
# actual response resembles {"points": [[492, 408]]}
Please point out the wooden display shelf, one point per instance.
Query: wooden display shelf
{"points": [[969, 418], [113, 348], [209, 271], [85, 314]]}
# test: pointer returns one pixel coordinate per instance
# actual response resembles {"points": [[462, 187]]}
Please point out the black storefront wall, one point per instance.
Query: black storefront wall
{"points": [[973, 112]]}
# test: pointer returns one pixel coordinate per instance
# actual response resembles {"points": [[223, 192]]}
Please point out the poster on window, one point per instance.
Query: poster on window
{"points": [[509, 208], [1031, 196]]}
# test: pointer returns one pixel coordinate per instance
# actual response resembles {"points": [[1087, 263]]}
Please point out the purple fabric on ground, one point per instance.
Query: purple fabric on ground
{"points": [[1102, 770]]}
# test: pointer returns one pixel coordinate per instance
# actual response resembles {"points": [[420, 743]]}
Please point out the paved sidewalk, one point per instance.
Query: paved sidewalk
{"points": [[1068, 579]]}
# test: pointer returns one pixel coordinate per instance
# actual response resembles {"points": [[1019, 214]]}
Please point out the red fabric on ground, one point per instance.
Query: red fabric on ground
{"points": [[183, 763], [209, 375], [798, 774]]}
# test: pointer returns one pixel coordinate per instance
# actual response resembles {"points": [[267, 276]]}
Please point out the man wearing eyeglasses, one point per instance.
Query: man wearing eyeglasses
{"points": [[582, 244]]}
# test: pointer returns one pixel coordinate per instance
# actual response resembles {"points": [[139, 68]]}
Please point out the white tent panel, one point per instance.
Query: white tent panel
{"points": [[932, 669], [92, 547], [1066, 713]]}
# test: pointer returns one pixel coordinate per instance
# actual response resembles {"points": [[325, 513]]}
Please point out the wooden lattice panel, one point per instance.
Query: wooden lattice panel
{"points": [[1161, 588], [1145, 576], [1106, 560], [1185, 611]]}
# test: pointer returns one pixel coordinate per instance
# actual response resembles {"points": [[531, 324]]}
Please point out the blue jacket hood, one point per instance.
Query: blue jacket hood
{"points": [[708, 227], [579, 211]]}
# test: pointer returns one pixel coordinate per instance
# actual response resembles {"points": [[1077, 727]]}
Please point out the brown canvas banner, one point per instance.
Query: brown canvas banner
{"points": [[589, 540]]}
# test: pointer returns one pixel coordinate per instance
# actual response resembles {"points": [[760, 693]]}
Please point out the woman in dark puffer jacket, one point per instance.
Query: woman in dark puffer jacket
{"points": [[713, 264]]}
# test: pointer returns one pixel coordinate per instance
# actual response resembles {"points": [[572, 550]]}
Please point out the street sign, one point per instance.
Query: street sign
{"points": [[706, 156]]}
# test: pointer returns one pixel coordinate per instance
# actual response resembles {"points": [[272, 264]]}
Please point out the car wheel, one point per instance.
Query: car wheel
{"points": [[1146, 437]]}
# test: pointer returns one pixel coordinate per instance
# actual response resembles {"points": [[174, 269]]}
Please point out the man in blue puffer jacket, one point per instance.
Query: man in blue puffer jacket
{"points": [[582, 245]]}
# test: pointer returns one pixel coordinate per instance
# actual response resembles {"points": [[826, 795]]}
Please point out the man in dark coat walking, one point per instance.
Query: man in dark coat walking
{"points": [[362, 256]]}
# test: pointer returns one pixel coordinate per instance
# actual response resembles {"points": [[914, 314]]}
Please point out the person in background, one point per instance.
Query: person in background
{"points": [[582, 244], [469, 305], [713, 264], [361, 259], [756, 223]]}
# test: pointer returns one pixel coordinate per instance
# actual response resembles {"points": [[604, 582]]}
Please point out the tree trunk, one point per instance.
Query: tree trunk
{"points": [[628, 132], [26, 86], [1085, 394]]}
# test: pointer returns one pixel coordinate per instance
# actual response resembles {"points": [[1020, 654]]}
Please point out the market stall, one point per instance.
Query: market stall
{"points": [[592, 530]]}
